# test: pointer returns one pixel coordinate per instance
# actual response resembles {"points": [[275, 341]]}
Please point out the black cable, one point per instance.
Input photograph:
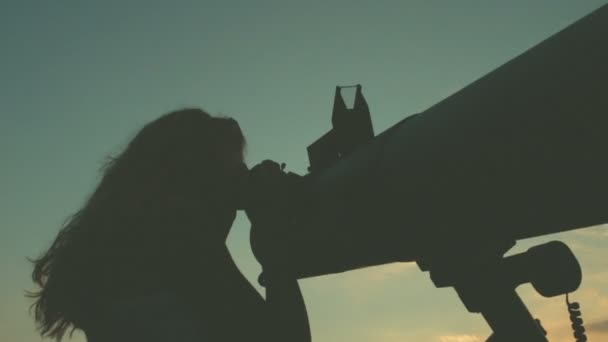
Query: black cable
{"points": [[574, 309]]}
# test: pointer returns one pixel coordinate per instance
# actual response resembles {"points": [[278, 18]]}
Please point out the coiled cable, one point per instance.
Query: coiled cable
{"points": [[574, 309]]}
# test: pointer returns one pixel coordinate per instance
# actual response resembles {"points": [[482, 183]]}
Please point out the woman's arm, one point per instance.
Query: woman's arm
{"points": [[287, 310], [268, 210]]}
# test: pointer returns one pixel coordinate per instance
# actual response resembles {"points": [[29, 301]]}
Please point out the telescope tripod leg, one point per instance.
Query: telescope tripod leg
{"points": [[505, 312]]}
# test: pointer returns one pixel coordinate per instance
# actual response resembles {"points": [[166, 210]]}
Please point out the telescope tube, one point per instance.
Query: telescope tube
{"points": [[519, 153]]}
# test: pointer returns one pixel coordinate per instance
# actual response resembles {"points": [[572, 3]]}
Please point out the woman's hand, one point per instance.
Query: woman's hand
{"points": [[267, 189], [271, 204], [270, 209]]}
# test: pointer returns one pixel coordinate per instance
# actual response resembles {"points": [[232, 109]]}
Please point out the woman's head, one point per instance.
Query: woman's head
{"points": [[172, 188], [186, 153]]}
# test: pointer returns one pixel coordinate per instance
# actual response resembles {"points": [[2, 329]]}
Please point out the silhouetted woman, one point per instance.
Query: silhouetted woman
{"points": [[145, 258]]}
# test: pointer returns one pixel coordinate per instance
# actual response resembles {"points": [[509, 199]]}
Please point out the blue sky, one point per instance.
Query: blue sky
{"points": [[79, 78]]}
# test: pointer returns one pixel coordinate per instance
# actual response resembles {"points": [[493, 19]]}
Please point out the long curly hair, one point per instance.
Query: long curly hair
{"points": [[153, 209]]}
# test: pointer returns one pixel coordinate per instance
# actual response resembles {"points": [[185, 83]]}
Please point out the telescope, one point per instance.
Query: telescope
{"points": [[519, 153]]}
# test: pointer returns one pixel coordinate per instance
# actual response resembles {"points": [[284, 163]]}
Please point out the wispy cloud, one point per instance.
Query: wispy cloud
{"points": [[597, 279], [365, 282], [390, 270], [600, 232], [598, 326], [565, 335], [391, 336], [554, 315], [460, 338]]}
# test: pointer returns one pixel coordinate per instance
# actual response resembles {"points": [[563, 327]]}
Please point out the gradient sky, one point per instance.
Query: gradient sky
{"points": [[79, 78]]}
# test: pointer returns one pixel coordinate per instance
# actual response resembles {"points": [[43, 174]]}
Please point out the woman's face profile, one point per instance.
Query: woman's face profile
{"points": [[237, 184], [233, 192]]}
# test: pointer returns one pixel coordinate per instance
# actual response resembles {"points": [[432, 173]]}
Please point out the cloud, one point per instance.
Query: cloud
{"points": [[387, 271], [597, 279], [460, 338], [391, 336], [598, 326], [553, 314], [598, 232], [365, 283]]}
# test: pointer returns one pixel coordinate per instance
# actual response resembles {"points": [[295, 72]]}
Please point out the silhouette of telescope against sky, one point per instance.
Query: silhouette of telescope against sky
{"points": [[519, 153]]}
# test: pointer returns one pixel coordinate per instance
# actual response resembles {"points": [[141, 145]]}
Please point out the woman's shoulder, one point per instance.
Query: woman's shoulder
{"points": [[169, 316], [147, 317]]}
